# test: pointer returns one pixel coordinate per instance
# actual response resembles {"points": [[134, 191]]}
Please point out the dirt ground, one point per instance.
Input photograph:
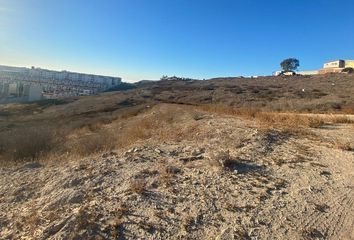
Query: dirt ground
{"points": [[234, 179]]}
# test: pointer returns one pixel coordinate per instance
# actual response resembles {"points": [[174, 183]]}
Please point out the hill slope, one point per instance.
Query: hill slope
{"points": [[181, 160]]}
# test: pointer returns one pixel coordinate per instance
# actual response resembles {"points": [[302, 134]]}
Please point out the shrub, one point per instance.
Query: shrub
{"points": [[222, 160], [27, 144], [93, 143], [138, 186], [348, 70]]}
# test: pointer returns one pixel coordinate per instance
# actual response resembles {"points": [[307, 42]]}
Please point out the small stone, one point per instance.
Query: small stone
{"points": [[173, 169], [130, 150], [32, 165], [157, 150], [325, 173]]}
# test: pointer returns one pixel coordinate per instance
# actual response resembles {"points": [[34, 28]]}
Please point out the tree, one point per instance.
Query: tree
{"points": [[290, 64], [164, 77]]}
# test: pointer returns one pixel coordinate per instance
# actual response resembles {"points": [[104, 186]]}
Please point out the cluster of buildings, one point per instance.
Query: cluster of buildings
{"points": [[31, 84], [329, 67]]}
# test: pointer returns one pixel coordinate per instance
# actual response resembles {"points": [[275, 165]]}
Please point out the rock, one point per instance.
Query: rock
{"points": [[187, 149], [173, 153], [173, 169], [109, 154], [198, 152], [325, 173], [72, 183], [195, 183], [131, 150], [32, 165], [75, 197], [190, 159], [157, 150]]}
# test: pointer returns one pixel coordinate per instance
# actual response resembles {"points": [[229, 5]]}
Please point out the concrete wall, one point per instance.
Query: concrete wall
{"points": [[35, 93], [20, 92], [308, 73], [330, 70]]}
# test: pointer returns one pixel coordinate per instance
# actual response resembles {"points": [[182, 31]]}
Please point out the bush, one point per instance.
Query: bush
{"points": [[27, 144], [93, 143], [348, 70]]}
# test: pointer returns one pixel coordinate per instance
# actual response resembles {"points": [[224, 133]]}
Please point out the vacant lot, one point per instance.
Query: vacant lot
{"points": [[78, 127], [176, 160]]}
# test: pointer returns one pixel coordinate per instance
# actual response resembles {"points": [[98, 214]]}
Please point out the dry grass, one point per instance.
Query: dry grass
{"points": [[345, 146], [258, 99], [86, 219], [138, 186], [120, 131], [339, 119], [160, 126], [288, 121], [27, 144], [167, 173], [32, 220], [165, 177], [93, 143], [188, 221], [80, 140]]}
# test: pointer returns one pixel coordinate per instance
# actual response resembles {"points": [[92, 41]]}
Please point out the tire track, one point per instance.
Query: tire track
{"points": [[337, 219], [345, 222]]}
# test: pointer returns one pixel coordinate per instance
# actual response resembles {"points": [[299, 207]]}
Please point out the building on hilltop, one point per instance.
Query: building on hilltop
{"points": [[336, 66]]}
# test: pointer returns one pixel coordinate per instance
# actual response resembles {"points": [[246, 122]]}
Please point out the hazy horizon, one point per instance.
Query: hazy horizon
{"points": [[140, 39]]}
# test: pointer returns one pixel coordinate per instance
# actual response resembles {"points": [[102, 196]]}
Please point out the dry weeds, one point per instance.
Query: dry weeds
{"points": [[27, 144], [167, 173], [93, 143], [138, 186], [222, 160], [38, 143], [345, 146], [46, 145], [288, 121]]}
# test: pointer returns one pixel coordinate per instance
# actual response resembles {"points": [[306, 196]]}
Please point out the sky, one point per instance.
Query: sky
{"points": [[145, 39]]}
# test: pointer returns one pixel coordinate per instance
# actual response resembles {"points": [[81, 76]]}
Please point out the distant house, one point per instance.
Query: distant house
{"points": [[329, 67], [336, 66], [278, 73]]}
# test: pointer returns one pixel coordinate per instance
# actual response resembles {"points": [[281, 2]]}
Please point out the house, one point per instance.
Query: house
{"points": [[336, 66]]}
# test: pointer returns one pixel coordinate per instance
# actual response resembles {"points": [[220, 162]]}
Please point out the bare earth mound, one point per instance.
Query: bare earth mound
{"points": [[195, 174]]}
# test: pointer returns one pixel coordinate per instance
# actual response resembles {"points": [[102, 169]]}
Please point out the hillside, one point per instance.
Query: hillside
{"points": [[226, 158]]}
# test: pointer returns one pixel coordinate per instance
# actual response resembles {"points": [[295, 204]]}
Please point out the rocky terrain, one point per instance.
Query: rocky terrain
{"points": [[207, 176]]}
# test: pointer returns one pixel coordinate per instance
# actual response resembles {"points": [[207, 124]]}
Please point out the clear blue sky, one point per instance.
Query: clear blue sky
{"points": [[145, 39]]}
